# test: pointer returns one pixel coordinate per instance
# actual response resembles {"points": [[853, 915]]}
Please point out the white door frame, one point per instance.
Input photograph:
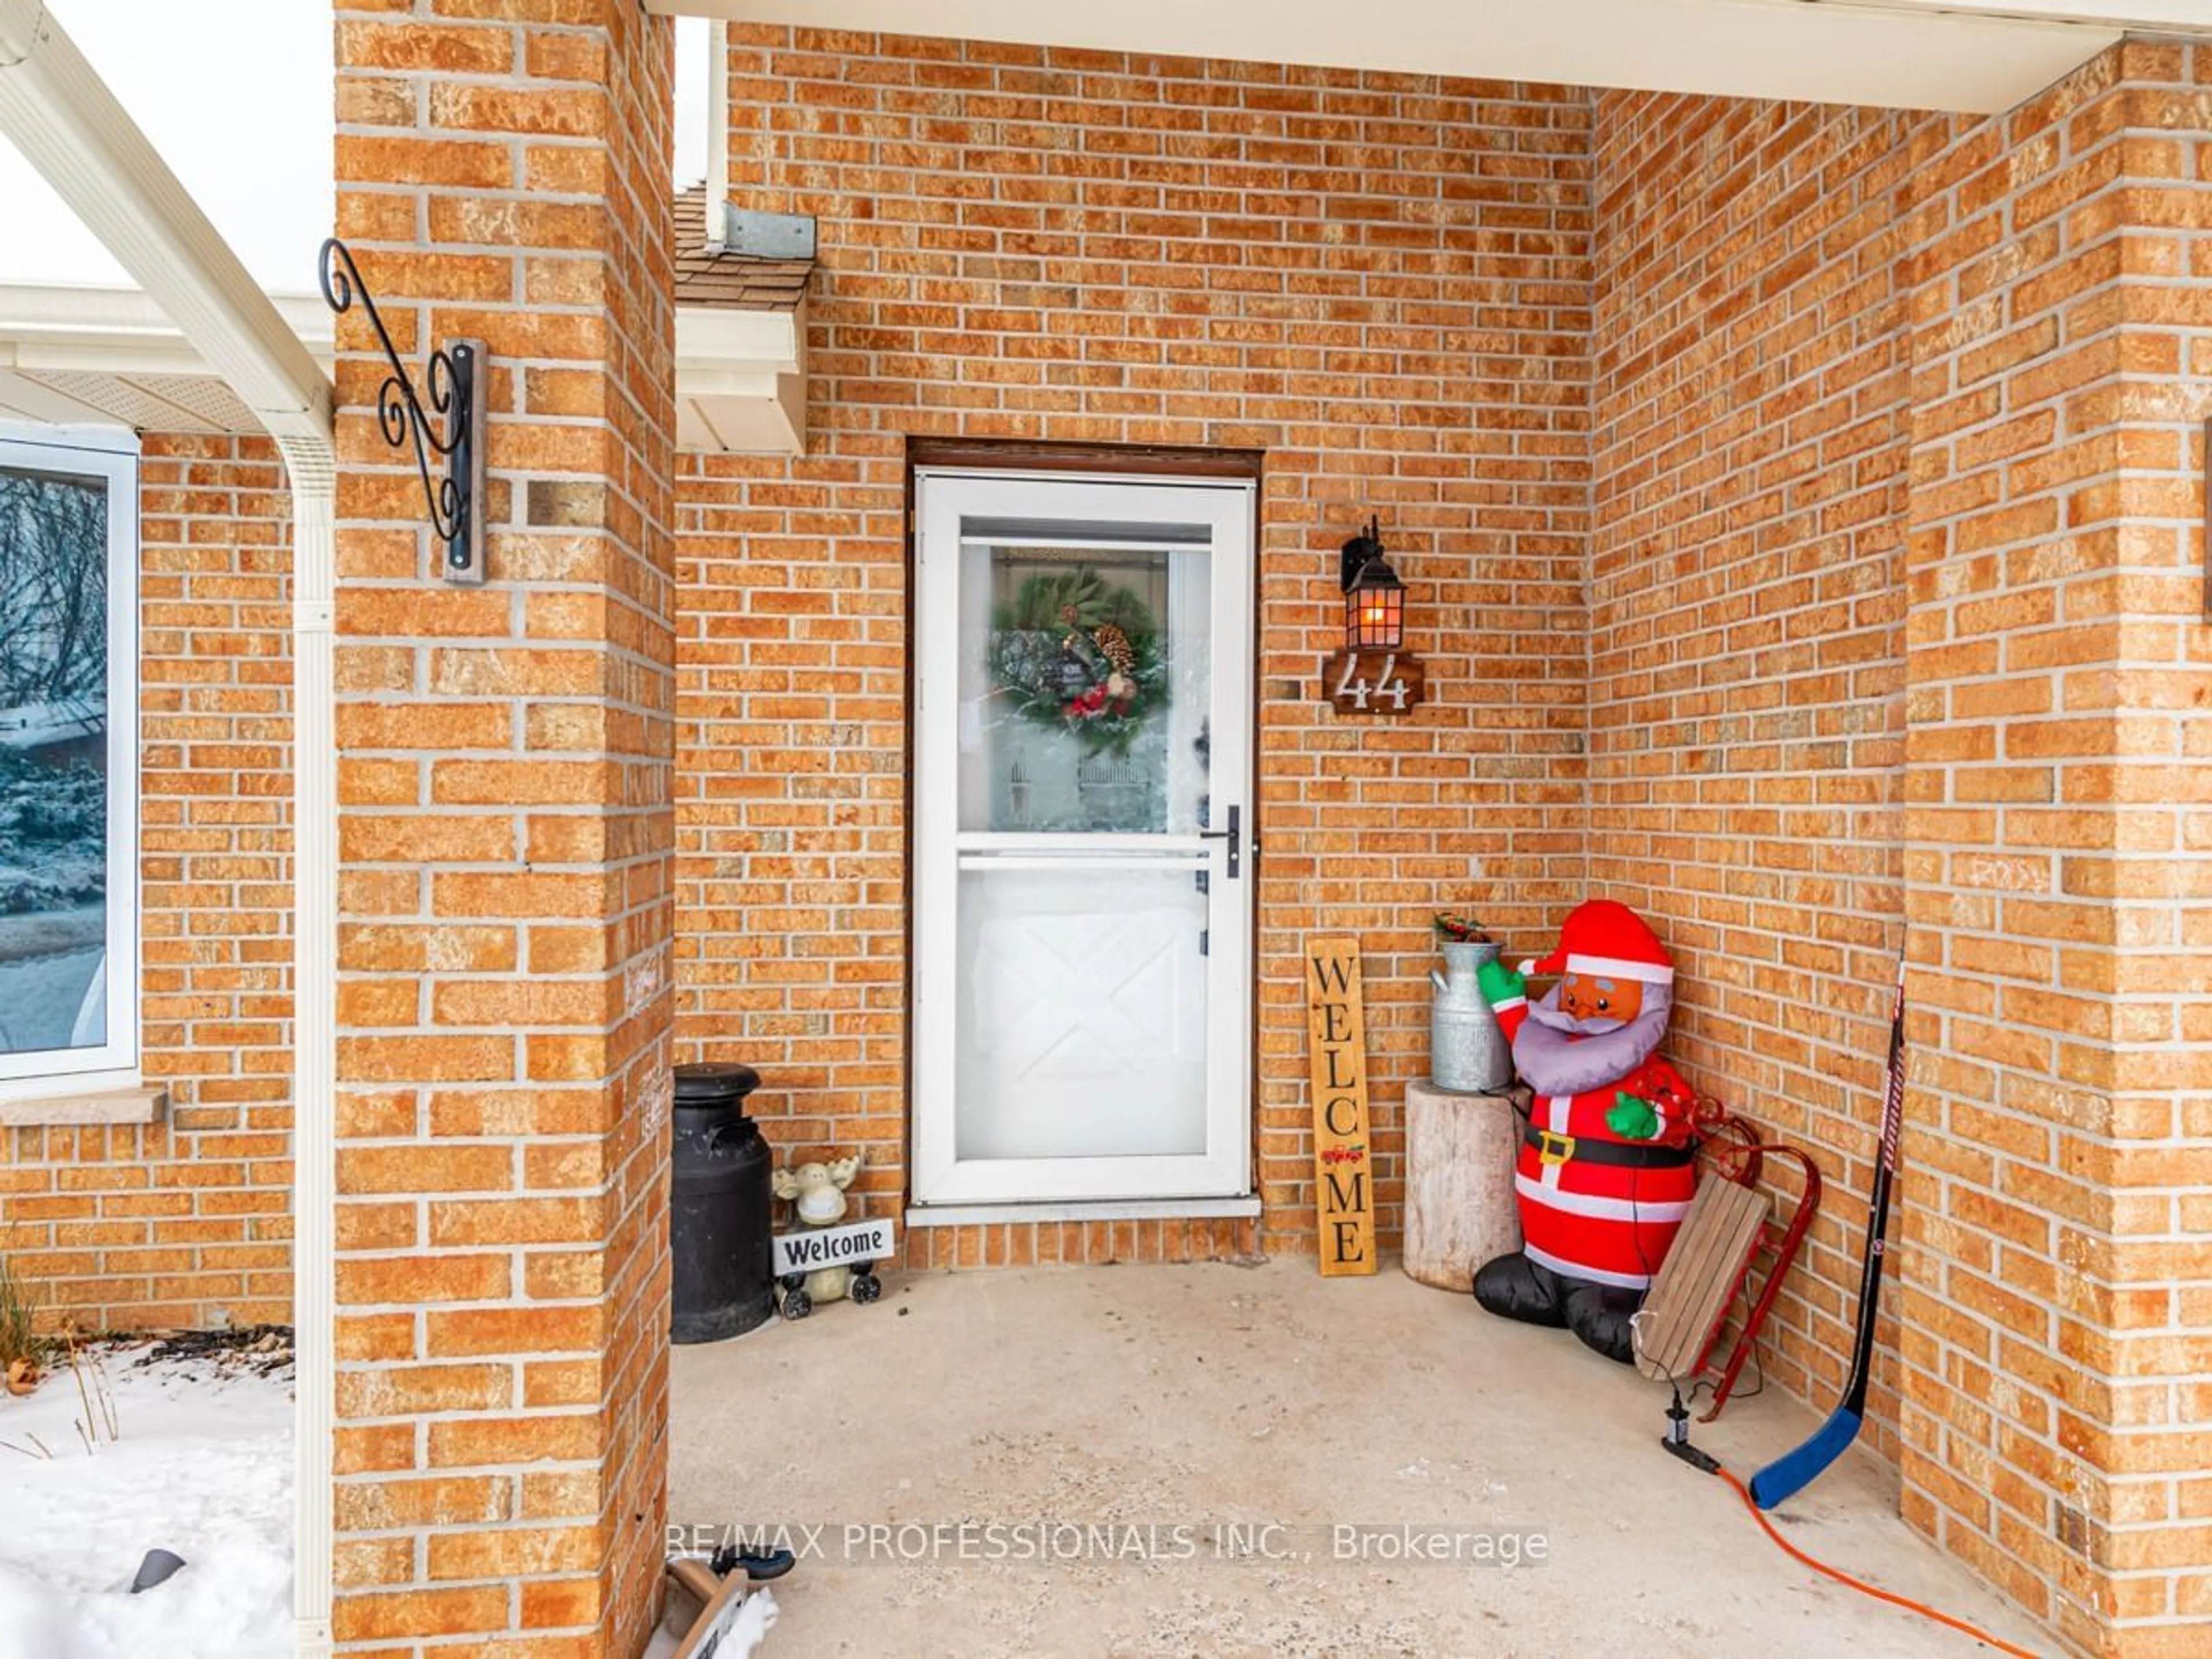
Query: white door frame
{"points": [[940, 848]]}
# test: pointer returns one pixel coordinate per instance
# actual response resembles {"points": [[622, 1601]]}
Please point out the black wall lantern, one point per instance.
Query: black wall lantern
{"points": [[1374, 674], [447, 436], [1374, 597]]}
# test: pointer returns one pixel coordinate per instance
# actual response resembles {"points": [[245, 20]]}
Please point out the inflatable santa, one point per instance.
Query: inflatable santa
{"points": [[1605, 1170]]}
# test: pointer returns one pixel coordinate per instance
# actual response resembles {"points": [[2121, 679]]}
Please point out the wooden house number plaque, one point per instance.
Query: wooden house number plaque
{"points": [[1373, 681]]}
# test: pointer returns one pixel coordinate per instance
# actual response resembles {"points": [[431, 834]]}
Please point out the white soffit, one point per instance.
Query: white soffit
{"points": [[2188, 16], [741, 380], [60, 325], [1911, 54], [74, 355]]}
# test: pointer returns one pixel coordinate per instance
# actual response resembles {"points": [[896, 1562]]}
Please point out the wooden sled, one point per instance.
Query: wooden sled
{"points": [[1729, 1227], [710, 1604]]}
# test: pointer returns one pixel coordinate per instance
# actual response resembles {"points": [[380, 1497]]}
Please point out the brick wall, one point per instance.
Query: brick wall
{"points": [[2056, 1424], [1896, 563], [1746, 691], [186, 1221], [1382, 282]]}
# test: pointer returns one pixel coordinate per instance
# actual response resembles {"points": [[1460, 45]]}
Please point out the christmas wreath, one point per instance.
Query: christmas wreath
{"points": [[1075, 654]]}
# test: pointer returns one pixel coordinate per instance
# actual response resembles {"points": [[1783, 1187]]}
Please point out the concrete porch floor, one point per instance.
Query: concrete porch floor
{"points": [[1213, 1393]]}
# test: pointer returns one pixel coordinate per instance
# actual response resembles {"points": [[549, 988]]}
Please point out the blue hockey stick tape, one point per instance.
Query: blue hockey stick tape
{"points": [[1791, 1473]]}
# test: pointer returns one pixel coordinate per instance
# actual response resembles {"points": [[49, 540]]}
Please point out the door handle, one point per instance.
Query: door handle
{"points": [[1236, 842]]}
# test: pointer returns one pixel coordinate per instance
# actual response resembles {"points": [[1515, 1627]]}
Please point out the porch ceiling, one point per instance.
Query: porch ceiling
{"points": [[1916, 54]]}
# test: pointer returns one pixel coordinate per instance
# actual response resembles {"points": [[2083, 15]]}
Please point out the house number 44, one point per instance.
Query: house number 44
{"points": [[1373, 681]]}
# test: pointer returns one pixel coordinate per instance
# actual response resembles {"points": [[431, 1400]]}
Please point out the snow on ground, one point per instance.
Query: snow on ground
{"points": [[202, 1468]]}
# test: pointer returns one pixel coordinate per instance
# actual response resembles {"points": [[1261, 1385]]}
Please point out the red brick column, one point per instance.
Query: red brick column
{"points": [[2057, 1429], [505, 839]]}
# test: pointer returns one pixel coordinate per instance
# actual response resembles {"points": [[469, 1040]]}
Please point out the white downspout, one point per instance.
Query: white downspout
{"points": [[311, 463], [718, 136], [70, 126]]}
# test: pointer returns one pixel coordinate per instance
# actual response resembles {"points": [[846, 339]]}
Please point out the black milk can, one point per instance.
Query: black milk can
{"points": [[718, 1211]]}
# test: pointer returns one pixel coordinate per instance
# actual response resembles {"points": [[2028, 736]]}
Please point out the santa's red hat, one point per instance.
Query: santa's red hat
{"points": [[1605, 938]]}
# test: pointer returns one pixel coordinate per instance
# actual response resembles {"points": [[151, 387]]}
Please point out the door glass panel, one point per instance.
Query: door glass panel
{"points": [[1082, 1027], [1082, 1012], [1083, 682]]}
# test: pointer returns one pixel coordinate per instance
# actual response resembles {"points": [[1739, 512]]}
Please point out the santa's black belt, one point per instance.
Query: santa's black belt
{"points": [[1553, 1148]]}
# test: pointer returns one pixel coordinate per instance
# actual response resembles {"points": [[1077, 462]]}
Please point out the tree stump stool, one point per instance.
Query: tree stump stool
{"points": [[1460, 1208]]}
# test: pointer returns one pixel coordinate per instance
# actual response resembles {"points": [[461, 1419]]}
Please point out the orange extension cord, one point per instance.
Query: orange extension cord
{"points": [[1895, 1601]]}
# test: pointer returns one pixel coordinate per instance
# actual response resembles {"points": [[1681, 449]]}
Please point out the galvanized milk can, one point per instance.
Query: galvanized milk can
{"points": [[1466, 1051]]}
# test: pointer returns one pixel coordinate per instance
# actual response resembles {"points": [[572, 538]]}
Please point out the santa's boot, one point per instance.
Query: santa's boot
{"points": [[1602, 1316], [1514, 1287]]}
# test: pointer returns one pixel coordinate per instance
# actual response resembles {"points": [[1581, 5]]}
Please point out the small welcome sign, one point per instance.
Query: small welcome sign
{"points": [[853, 1244], [1336, 1034]]}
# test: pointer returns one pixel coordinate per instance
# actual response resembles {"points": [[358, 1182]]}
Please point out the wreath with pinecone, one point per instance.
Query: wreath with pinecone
{"points": [[1076, 654]]}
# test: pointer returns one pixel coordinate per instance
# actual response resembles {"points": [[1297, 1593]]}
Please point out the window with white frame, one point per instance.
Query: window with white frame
{"points": [[68, 771]]}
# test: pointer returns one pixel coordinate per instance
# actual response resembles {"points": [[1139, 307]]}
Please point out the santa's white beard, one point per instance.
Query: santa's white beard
{"points": [[1559, 1055], [1550, 1013]]}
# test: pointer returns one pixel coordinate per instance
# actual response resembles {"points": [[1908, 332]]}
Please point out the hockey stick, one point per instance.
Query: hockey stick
{"points": [[1793, 1471]]}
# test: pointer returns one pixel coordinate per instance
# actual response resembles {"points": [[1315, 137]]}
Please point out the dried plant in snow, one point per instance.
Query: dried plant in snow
{"points": [[100, 1424], [23, 1350]]}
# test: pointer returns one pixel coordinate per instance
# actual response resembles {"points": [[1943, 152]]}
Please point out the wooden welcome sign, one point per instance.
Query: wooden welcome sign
{"points": [[1336, 1034]]}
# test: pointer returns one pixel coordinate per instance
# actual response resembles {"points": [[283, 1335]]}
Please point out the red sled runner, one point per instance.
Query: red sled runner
{"points": [[1729, 1241]]}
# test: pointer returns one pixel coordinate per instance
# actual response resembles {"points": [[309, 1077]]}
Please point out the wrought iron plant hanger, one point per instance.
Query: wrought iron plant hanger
{"points": [[448, 434]]}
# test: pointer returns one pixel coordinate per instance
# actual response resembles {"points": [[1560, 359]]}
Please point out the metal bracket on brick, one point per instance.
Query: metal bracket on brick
{"points": [[454, 379], [770, 235]]}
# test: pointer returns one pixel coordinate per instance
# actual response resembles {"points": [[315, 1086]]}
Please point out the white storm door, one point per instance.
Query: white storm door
{"points": [[1082, 839]]}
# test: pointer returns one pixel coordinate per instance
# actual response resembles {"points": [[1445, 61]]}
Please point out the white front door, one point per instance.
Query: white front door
{"points": [[1082, 845]]}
